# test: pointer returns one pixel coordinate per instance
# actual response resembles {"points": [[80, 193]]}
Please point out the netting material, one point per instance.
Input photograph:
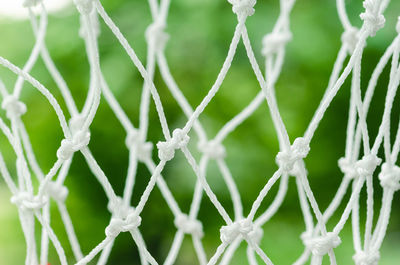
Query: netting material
{"points": [[358, 164]]}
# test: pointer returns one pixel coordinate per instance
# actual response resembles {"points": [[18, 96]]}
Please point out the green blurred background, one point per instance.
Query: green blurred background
{"points": [[200, 32]]}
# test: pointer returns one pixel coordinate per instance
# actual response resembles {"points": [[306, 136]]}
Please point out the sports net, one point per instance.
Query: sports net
{"points": [[358, 164]]}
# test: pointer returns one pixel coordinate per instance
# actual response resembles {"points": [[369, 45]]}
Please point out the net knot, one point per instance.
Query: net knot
{"points": [[347, 168], [27, 201], [362, 168], [31, 3], [84, 6], [367, 165], [321, 245], [13, 107], [212, 149], [188, 225], [118, 225], [390, 177], [80, 139], [372, 17], [143, 149], [155, 35], [256, 234], [57, 191], [272, 42], [243, 8], [287, 159], [363, 258], [244, 228], [166, 150], [350, 38]]}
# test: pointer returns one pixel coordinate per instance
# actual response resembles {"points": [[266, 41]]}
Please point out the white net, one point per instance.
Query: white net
{"points": [[358, 165]]}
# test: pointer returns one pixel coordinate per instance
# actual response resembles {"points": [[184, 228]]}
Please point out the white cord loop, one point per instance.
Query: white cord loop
{"points": [[256, 234], [287, 159], [56, 191], [363, 258], [166, 150], [347, 168], [350, 38], [80, 139], [84, 6], [134, 141], [272, 42], [390, 177], [27, 201], [212, 149], [13, 107], [243, 8], [118, 225], [321, 245], [372, 17], [118, 208], [189, 226], [156, 36], [31, 3], [244, 228]]}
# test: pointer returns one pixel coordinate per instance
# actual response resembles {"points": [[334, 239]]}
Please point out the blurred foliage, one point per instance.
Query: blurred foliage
{"points": [[200, 32]]}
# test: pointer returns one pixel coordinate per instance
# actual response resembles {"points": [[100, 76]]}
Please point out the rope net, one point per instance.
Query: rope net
{"points": [[358, 164]]}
